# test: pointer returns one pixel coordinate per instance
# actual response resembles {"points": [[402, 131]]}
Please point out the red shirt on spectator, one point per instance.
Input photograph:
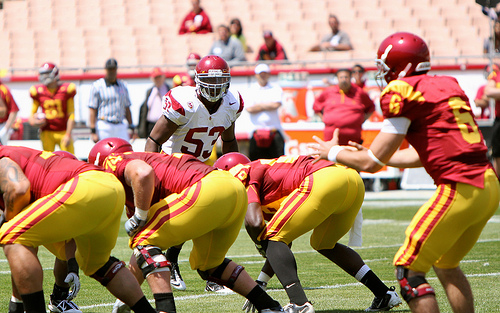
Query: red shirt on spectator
{"points": [[196, 23]]}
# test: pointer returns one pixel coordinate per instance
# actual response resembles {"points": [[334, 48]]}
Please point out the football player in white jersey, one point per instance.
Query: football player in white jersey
{"points": [[193, 119]]}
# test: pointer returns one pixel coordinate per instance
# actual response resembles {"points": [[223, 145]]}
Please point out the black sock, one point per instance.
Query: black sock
{"points": [[143, 306], [173, 254], [284, 265], [34, 302], [372, 282], [164, 302], [261, 299], [60, 293]]}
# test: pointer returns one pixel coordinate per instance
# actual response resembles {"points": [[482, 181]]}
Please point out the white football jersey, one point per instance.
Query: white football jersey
{"points": [[198, 129]]}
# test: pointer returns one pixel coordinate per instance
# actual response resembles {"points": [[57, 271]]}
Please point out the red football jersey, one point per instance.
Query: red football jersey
{"points": [[173, 173], [45, 170], [270, 180], [55, 105], [442, 130], [9, 102]]}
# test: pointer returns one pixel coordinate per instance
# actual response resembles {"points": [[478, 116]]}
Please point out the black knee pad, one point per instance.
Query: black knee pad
{"points": [[108, 271], [411, 287], [217, 274]]}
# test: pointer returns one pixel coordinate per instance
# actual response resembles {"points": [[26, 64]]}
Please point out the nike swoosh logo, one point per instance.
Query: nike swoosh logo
{"points": [[231, 103], [291, 285]]}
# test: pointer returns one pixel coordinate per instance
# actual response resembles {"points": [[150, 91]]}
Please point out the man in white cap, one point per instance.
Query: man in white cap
{"points": [[263, 102]]}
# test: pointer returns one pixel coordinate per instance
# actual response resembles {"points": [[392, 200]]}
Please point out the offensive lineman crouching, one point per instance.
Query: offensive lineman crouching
{"points": [[41, 189], [178, 198]]}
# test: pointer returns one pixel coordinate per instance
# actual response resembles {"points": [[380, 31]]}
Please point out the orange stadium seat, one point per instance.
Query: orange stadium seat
{"points": [[145, 31]]}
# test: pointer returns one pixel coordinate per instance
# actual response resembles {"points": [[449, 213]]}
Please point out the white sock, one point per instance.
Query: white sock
{"points": [[15, 300], [362, 272], [263, 277]]}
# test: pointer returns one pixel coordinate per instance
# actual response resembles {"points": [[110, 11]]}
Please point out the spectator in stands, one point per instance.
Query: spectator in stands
{"points": [[56, 101], [262, 103], [237, 32], [271, 49], [8, 113], [109, 105], [345, 106], [196, 21], [226, 47], [496, 40], [187, 79], [151, 108], [338, 40]]}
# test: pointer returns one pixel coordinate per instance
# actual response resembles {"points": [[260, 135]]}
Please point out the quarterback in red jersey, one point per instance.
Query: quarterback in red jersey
{"points": [[434, 115], [296, 195], [40, 190], [175, 198], [56, 101]]}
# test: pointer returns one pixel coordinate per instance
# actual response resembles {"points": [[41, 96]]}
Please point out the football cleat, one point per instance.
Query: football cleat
{"points": [[16, 307], [63, 306], [273, 310], [387, 302], [175, 277], [214, 287], [294, 308], [120, 307]]}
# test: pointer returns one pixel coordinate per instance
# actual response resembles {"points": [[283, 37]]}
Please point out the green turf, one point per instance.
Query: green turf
{"points": [[331, 289]]}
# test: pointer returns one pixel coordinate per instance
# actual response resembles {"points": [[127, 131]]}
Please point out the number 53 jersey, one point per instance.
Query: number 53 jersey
{"points": [[442, 130], [198, 129]]}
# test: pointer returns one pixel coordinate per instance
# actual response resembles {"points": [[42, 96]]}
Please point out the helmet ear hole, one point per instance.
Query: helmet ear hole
{"points": [[104, 147]]}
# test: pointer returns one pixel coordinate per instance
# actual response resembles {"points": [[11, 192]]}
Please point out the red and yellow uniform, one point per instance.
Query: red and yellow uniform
{"points": [[6, 97], [58, 107], [70, 199], [345, 111], [468, 190], [297, 195], [191, 200], [183, 79]]}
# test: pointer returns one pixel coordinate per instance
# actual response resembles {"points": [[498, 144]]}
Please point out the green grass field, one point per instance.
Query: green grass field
{"points": [[328, 287]]}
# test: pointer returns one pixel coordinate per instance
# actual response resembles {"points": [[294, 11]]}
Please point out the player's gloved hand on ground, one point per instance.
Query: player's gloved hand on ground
{"points": [[134, 224], [248, 306], [72, 279]]}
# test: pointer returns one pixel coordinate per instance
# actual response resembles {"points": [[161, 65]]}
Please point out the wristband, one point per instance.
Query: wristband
{"points": [[142, 214], [154, 140], [92, 130], [374, 158], [332, 154], [73, 266]]}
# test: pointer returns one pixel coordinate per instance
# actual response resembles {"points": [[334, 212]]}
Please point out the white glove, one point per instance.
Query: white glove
{"points": [[134, 224], [248, 306], [74, 284]]}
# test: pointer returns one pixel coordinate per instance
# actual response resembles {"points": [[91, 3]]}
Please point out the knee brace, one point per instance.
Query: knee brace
{"points": [[150, 259], [108, 271], [217, 274], [411, 287]]}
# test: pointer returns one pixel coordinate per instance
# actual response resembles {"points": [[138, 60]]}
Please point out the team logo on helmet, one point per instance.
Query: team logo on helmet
{"points": [[104, 147]]}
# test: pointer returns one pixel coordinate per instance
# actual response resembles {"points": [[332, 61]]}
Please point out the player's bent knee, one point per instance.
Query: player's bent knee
{"points": [[412, 287], [150, 259], [217, 274], [108, 271]]}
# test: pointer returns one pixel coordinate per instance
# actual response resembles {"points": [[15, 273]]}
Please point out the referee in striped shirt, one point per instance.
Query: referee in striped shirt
{"points": [[109, 106]]}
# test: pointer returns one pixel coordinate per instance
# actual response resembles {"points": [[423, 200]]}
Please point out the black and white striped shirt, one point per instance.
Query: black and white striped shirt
{"points": [[110, 100]]}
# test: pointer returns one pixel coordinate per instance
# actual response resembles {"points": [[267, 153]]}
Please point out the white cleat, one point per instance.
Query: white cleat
{"points": [[390, 300], [294, 308], [175, 277]]}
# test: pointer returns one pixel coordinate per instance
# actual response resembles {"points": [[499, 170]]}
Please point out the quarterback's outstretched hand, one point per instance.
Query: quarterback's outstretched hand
{"points": [[322, 148], [248, 306], [134, 224]]}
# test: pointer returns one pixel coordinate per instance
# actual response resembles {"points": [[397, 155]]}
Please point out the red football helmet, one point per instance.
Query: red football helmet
{"points": [[48, 73], [400, 55], [193, 59], [65, 154], [212, 77], [231, 159], [105, 147]]}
